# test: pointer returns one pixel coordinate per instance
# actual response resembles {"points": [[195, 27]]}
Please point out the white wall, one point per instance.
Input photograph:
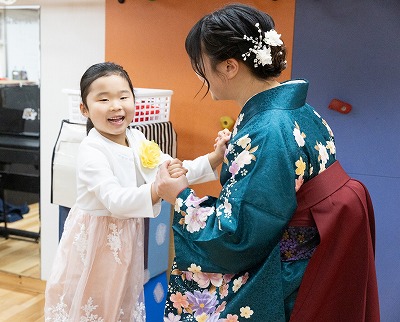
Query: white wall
{"points": [[72, 39], [2, 47], [22, 28]]}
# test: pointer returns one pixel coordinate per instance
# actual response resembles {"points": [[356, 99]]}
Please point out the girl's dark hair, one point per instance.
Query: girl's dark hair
{"points": [[96, 71], [220, 36]]}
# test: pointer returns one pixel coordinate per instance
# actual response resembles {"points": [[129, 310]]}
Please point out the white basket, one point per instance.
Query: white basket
{"points": [[151, 106]]}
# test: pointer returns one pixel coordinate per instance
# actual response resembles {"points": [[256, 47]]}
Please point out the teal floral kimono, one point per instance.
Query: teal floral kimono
{"points": [[236, 257]]}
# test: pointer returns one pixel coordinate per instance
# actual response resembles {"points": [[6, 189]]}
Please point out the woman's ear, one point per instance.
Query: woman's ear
{"points": [[231, 67], [84, 110]]}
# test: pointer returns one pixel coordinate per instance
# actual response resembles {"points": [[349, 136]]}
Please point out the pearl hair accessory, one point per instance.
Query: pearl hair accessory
{"points": [[262, 46]]}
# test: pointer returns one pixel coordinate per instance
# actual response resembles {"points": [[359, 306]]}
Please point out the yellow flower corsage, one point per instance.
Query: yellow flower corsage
{"points": [[150, 154]]}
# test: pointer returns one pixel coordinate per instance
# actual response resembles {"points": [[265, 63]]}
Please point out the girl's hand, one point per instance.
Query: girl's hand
{"points": [[167, 187], [217, 156], [221, 140], [176, 169]]}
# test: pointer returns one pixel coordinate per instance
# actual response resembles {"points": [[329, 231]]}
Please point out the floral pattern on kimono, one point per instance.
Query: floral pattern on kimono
{"points": [[228, 259]]}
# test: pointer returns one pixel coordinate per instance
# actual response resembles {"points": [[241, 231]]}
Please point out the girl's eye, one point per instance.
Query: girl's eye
{"points": [[103, 100], [124, 97]]}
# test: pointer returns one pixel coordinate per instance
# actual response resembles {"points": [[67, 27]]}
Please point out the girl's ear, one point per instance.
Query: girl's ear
{"points": [[84, 110]]}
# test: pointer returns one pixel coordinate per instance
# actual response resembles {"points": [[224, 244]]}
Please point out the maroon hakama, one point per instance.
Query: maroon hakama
{"points": [[340, 280]]}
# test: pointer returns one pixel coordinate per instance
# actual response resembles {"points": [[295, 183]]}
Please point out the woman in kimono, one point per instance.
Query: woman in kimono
{"points": [[265, 249]]}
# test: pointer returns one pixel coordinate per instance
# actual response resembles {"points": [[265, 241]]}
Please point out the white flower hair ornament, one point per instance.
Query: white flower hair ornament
{"points": [[262, 46]]}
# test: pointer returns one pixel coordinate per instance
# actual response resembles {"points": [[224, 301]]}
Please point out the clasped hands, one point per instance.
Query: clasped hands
{"points": [[171, 176]]}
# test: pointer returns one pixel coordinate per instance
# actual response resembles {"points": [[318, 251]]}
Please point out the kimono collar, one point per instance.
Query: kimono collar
{"points": [[287, 96]]}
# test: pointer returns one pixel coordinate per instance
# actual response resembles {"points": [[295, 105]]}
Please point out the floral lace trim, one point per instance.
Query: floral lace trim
{"points": [[81, 242], [139, 313], [114, 241], [88, 308], [58, 313]]}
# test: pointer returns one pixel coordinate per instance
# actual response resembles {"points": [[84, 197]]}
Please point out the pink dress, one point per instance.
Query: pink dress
{"points": [[98, 272]]}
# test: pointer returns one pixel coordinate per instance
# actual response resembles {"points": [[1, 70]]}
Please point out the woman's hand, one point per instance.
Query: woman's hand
{"points": [[168, 187]]}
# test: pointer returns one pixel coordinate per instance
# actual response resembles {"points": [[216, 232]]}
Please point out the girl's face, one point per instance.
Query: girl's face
{"points": [[110, 106]]}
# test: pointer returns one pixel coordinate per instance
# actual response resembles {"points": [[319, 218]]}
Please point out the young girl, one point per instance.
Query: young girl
{"points": [[98, 269]]}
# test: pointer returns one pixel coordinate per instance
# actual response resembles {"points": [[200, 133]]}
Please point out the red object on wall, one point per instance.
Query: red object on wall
{"points": [[340, 106]]}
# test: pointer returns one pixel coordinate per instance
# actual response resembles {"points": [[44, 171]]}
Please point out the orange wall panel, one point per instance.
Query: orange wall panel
{"points": [[147, 38]]}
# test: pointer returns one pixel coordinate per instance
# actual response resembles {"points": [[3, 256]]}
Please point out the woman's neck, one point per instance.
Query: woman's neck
{"points": [[254, 87]]}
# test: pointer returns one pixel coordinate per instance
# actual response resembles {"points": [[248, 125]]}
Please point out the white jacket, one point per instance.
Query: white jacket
{"points": [[112, 181]]}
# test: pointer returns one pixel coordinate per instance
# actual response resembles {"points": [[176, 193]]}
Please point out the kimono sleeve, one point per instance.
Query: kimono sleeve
{"points": [[239, 229]]}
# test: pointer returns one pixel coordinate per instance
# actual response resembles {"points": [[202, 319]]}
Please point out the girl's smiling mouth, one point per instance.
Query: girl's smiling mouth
{"points": [[116, 119]]}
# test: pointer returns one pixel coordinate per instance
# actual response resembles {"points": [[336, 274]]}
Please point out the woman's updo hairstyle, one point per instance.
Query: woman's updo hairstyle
{"points": [[220, 35], [97, 71]]}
